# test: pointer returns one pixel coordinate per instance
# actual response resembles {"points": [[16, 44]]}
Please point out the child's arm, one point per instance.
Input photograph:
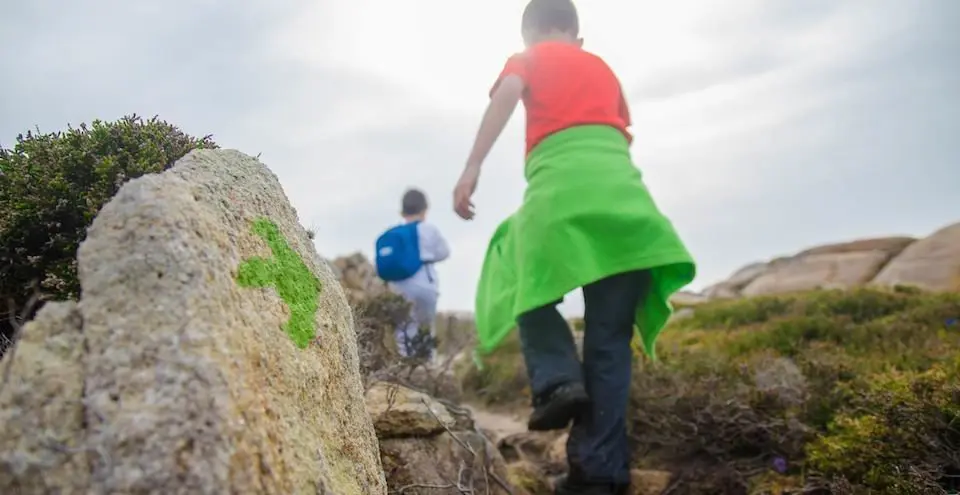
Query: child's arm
{"points": [[503, 102], [442, 249], [434, 248]]}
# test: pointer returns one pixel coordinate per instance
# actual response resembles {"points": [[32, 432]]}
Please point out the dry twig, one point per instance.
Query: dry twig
{"points": [[486, 464]]}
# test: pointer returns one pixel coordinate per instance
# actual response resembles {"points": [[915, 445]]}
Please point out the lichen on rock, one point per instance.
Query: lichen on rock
{"points": [[293, 281]]}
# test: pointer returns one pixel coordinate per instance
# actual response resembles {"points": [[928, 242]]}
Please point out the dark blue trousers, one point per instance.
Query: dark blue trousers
{"points": [[598, 450]]}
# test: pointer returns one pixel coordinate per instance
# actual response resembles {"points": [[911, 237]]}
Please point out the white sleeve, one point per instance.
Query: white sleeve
{"points": [[433, 247]]}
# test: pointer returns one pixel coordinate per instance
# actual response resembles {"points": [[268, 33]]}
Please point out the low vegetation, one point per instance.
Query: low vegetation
{"points": [[824, 392], [52, 185]]}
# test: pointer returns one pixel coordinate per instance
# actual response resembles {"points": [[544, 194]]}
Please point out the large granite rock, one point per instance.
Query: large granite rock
{"points": [[818, 271], [932, 263], [833, 266], [215, 349], [731, 287]]}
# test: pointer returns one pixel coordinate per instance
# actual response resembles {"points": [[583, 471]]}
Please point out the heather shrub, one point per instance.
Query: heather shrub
{"points": [[51, 187], [823, 392]]}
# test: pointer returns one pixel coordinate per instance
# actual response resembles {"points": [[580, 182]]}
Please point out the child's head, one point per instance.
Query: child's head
{"points": [[550, 20], [414, 205]]}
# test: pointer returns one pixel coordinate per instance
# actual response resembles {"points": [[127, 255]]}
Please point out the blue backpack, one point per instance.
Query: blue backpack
{"points": [[398, 253]]}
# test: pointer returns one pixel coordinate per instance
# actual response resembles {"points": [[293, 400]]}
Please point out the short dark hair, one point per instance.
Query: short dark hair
{"points": [[414, 202], [546, 15]]}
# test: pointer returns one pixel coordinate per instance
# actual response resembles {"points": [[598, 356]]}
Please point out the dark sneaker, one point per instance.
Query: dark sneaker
{"points": [[555, 409], [565, 486]]}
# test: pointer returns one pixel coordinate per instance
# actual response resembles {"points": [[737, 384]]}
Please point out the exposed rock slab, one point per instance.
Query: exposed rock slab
{"points": [[731, 287], [932, 263], [840, 266], [892, 246], [818, 271]]}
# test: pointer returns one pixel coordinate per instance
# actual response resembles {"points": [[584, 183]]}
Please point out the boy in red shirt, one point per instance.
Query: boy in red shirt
{"points": [[587, 220]]}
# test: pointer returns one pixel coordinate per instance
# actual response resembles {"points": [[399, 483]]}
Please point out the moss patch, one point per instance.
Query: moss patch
{"points": [[286, 272]]}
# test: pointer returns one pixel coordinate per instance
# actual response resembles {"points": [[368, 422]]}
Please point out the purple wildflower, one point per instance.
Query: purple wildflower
{"points": [[780, 465]]}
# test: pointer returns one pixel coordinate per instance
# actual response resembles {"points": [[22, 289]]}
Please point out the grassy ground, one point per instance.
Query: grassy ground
{"points": [[823, 392]]}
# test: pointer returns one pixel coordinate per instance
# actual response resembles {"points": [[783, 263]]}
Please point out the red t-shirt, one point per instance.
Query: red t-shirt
{"points": [[565, 87]]}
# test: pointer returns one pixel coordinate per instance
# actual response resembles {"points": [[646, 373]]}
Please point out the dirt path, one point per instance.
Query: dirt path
{"points": [[500, 424]]}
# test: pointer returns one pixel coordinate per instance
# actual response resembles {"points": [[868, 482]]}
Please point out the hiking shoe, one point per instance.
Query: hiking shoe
{"points": [[565, 486], [555, 409]]}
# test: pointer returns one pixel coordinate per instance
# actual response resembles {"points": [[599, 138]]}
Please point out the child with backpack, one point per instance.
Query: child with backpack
{"points": [[405, 256], [587, 220]]}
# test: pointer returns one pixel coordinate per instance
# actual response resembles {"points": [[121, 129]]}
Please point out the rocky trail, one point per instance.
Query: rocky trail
{"points": [[500, 424]]}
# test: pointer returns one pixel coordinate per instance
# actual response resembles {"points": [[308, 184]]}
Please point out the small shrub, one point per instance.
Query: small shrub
{"points": [[899, 434], [53, 185], [375, 319], [816, 381]]}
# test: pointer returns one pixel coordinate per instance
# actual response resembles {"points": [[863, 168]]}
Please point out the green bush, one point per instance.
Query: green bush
{"points": [[825, 392], [900, 435], [51, 188]]}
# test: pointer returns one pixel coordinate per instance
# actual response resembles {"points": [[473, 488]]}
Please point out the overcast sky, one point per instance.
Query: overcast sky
{"points": [[763, 126]]}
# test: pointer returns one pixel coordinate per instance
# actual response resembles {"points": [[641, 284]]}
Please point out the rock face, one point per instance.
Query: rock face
{"points": [[818, 271], [932, 263], [41, 440], [427, 447], [731, 287], [212, 351], [834, 266]]}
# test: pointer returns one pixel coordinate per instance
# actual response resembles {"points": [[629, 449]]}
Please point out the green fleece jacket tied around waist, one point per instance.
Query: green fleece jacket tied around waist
{"points": [[586, 215]]}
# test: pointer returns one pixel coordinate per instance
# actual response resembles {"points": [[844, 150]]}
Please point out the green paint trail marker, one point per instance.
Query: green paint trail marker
{"points": [[294, 282]]}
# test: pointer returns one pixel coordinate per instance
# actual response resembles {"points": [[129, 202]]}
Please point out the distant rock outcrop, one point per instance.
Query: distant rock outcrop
{"points": [[212, 351], [932, 263], [358, 277], [835, 266]]}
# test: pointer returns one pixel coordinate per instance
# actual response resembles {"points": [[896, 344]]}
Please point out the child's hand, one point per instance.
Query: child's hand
{"points": [[464, 190]]}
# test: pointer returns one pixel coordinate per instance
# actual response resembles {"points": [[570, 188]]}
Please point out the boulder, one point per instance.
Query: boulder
{"points": [[731, 287], [841, 265], [41, 441], [218, 350], [833, 266], [428, 447], [543, 449], [399, 412], [932, 263], [818, 271]]}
